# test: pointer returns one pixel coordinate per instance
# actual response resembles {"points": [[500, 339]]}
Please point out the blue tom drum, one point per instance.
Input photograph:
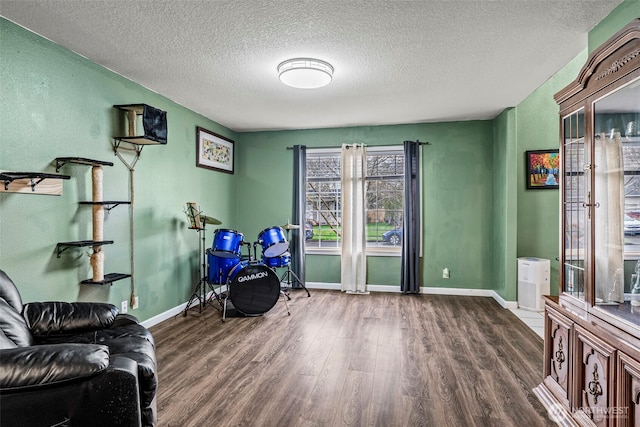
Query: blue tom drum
{"points": [[227, 243], [283, 260], [273, 241]]}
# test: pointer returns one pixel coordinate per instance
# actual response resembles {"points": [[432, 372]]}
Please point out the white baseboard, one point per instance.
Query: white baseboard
{"points": [[426, 290], [172, 312], [509, 305], [371, 288]]}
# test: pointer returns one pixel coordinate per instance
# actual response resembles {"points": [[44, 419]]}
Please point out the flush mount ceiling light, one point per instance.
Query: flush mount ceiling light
{"points": [[305, 73]]}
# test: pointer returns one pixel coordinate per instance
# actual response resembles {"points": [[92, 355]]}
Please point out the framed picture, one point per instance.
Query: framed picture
{"points": [[213, 151], [543, 169]]}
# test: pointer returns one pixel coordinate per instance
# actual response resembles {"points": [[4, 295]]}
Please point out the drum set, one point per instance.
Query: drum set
{"points": [[247, 282]]}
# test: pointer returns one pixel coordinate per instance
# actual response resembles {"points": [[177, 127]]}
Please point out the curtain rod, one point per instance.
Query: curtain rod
{"points": [[392, 145]]}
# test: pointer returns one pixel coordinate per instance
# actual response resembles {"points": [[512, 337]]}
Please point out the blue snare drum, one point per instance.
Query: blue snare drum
{"points": [[227, 243], [273, 241], [283, 260], [219, 268]]}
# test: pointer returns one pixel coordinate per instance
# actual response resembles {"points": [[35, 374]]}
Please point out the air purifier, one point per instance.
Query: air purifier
{"points": [[533, 282]]}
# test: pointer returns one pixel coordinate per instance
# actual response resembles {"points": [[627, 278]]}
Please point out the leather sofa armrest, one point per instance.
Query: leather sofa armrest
{"points": [[110, 398], [64, 318], [29, 367]]}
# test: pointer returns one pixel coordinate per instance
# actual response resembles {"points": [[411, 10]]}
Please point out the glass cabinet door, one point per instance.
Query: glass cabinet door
{"points": [[616, 159], [574, 187]]}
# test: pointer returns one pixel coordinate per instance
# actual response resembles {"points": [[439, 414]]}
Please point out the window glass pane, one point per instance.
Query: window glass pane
{"points": [[385, 195], [574, 185], [322, 228], [384, 199]]}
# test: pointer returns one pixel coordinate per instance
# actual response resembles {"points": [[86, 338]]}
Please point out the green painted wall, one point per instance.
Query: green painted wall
{"points": [[457, 183], [618, 18], [58, 104], [538, 210], [505, 204]]}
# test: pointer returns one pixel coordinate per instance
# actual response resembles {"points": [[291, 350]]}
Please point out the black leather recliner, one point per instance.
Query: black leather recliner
{"points": [[73, 364]]}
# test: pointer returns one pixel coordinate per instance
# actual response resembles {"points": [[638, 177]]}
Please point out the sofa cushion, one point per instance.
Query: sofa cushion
{"points": [[13, 327]]}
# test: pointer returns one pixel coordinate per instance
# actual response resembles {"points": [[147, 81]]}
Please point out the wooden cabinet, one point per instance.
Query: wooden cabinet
{"points": [[592, 329], [594, 379], [628, 391], [558, 362], [591, 369]]}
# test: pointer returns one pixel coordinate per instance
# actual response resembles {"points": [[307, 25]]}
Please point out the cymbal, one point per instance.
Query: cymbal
{"points": [[210, 220], [288, 226]]}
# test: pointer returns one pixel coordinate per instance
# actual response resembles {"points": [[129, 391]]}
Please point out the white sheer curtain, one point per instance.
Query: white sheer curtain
{"points": [[609, 186], [354, 239]]}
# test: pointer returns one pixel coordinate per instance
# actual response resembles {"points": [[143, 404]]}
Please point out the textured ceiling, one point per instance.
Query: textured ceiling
{"points": [[395, 61]]}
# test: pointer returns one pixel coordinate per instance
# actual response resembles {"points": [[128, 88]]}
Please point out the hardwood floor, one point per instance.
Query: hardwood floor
{"points": [[376, 360]]}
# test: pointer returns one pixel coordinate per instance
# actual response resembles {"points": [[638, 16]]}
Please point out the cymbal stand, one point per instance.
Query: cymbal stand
{"points": [[288, 275], [200, 289], [292, 278]]}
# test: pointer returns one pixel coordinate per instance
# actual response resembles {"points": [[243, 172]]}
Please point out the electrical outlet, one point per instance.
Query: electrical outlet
{"points": [[134, 302], [124, 307], [445, 273]]}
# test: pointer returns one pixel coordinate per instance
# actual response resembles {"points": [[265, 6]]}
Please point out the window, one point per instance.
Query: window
{"points": [[384, 204]]}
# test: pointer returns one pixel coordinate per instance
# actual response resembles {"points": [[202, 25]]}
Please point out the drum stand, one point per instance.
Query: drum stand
{"points": [[290, 273], [200, 289]]}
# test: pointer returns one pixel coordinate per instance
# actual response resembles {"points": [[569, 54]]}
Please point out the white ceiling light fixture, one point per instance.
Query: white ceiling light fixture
{"points": [[305, 73]]}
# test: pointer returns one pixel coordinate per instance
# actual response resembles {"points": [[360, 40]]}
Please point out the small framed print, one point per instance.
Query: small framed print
{"points": [[543, 169], [214, 151]]}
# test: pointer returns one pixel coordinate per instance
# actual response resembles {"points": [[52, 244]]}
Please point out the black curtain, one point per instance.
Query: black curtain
{"points": [[410, 277], [298, 214]]}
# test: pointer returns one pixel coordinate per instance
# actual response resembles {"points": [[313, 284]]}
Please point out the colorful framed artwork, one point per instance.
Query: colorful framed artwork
{"points": [[214, 151], [543, 169]]}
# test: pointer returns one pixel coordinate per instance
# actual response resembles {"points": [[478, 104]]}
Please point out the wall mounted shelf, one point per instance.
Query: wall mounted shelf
{"points": [[152, 130], [63, 246], [32, 182], [61, 161], [108, 279], [108, 205], [153, 121], [98, 206]]}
